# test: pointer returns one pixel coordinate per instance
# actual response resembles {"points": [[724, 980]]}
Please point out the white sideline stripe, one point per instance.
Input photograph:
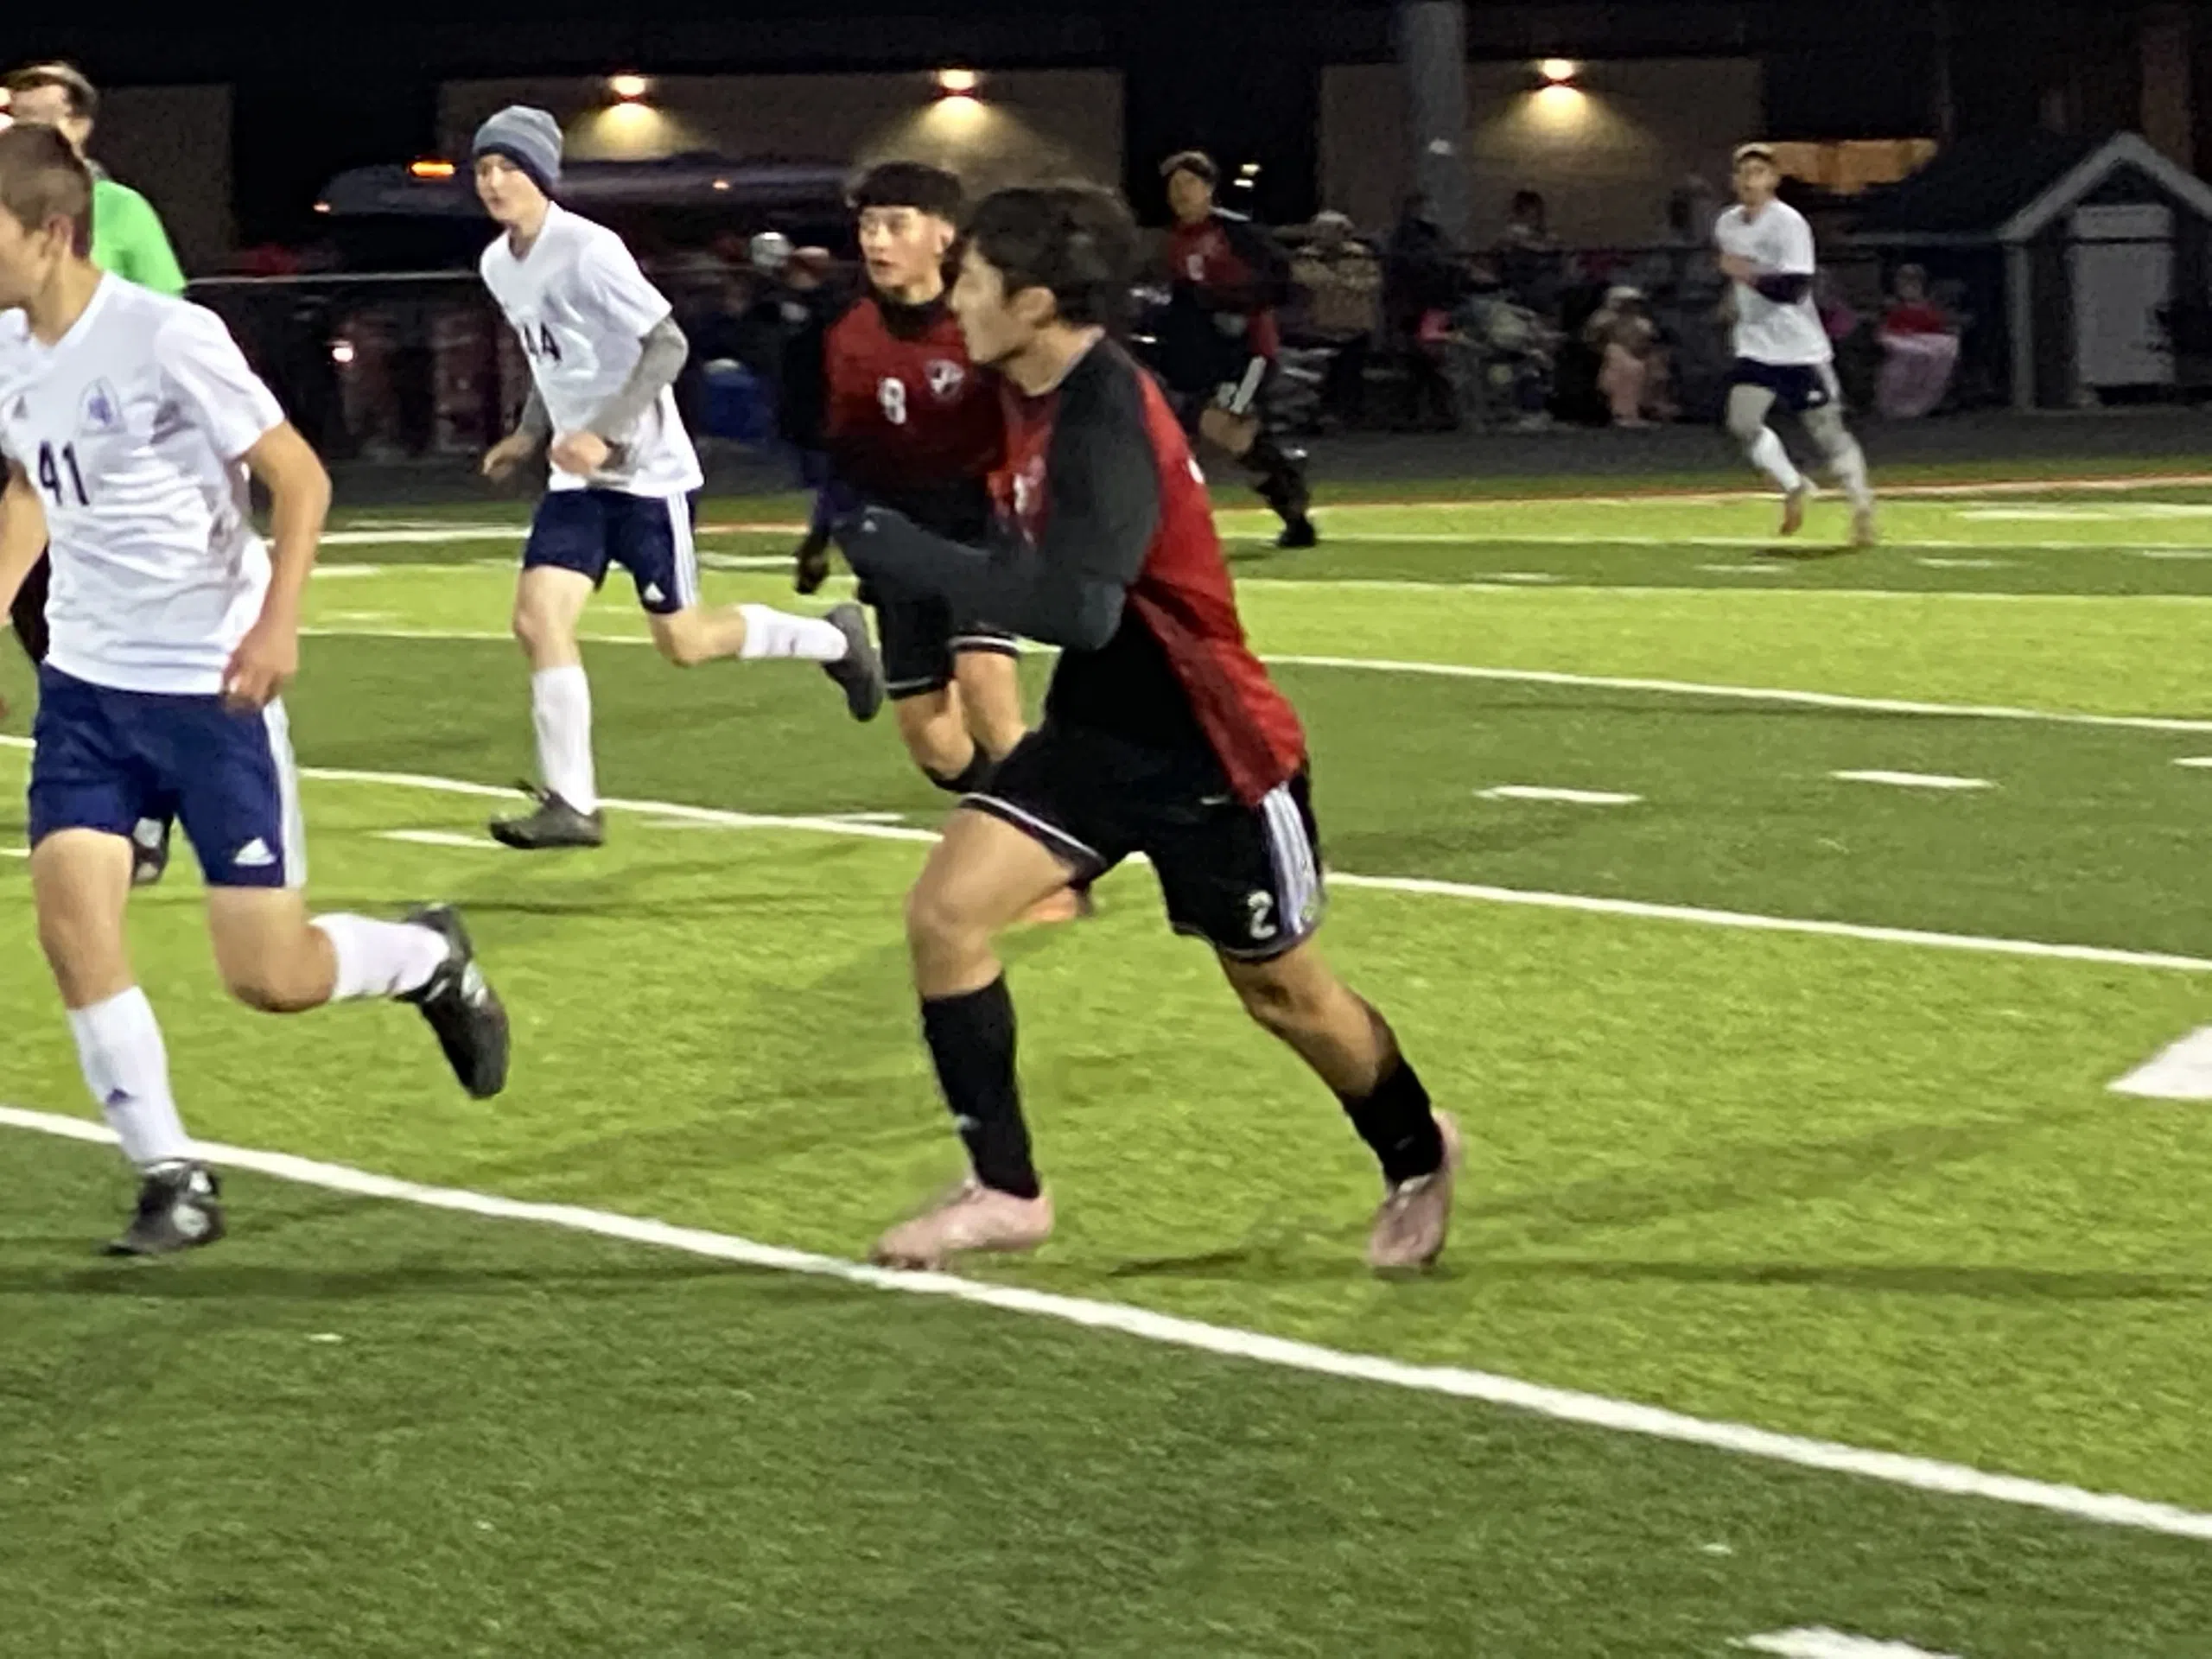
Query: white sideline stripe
{"points": [[1913, 779], [1571, 796], [1744, 693], [439, 838], [1820, 1643], [1750, 923], [1587, 904], [2198, 762], [1561, 1404], [1509, 676]]}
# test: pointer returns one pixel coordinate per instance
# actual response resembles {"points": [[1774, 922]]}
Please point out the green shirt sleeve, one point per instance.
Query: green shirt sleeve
{"points": [[128, 239]]}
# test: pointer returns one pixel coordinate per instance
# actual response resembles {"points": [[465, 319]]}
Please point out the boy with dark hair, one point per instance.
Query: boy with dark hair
{"points": [[1162, 735], [909, 421], [1219, 340]]}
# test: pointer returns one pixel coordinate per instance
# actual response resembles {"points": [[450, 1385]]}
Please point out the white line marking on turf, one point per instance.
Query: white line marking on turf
{"points": [[1965, 564], [439, 838], [2198, 762], [1913, 779], [1570, 797], [1744, 693], [2181, 1071], [1587, 904], [1563, 1404], [1823, 1643]]}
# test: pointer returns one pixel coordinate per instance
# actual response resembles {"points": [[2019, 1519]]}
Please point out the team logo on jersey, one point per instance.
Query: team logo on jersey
{"points": [[1028, 490], [102, 410], [945, 378], [891, 398]]}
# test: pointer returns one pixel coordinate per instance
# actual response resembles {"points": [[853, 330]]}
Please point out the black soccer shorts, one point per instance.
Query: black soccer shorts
{"points": [[1245, 878], [920, 639]]}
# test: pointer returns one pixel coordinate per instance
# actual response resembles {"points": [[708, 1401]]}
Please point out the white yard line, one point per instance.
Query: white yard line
{"points": [[1913, 779], [1820, 1642], [1560, 1405], [1743, 693], [440, 838], [1566, 797], [1473, 892]]}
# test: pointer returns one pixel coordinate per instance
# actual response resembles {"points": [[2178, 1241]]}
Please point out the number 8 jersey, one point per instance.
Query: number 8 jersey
{"points": [[132, 428]]}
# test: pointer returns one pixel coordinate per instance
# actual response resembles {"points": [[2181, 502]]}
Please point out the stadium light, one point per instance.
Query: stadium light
{"points": [[958, 83], [430, 169], [1558, 71], [628, 88]]}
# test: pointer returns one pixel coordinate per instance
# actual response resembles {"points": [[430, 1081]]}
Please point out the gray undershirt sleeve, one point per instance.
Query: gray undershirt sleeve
{"points": [[534, 422], [659, 361]]}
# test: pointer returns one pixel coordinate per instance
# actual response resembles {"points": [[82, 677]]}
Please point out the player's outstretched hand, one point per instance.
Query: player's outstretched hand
{"points": [[508, 453], [263, 665], [580, 452]]}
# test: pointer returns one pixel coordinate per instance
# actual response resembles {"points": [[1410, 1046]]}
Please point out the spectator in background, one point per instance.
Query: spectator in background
{"points": [[1632, 365], [1422, 283], [1339, 286], [1529, 259], [1920, 351]]}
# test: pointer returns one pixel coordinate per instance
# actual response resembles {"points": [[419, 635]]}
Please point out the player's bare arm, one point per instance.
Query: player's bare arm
{"points": [[23, 532], [299, 494]]}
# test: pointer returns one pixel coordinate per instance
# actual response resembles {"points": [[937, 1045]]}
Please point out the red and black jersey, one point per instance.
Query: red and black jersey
{"points": [[1084, 463], [907, 420], [1227, 266]]}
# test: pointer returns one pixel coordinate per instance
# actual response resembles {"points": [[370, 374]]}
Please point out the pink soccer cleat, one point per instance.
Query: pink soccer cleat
{"points": [[1410, 1227], [972, 1216]]}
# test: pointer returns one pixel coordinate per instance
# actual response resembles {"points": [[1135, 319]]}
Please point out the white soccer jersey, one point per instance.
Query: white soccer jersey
{"points": [[1780, 242], [132, 427], [581, 308]]}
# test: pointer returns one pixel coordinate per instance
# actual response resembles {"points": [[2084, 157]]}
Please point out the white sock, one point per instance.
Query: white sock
{"points": [[560, 707], [1849, 461], [380, 959], [126, 1067], [1770, 457], [778, 633]]}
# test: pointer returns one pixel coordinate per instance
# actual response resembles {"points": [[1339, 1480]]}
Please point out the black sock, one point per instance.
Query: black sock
{"points": [[1394, 1119], [969, 778], [1281, 479], [971, 1040]]}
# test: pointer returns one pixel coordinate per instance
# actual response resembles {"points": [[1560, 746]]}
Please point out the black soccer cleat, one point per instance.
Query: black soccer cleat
{"points": [[462, 1008], [179, 1208], [811, 564], [149, 851], [859, 671], [1298, 532], [552, 822]]}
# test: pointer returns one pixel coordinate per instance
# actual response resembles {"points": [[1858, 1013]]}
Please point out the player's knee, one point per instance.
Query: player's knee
{"points": [[269, 987], [681, 646], [938, 923], [1276, 1003], [533, 629], [1745, 427], [1828, 431]]}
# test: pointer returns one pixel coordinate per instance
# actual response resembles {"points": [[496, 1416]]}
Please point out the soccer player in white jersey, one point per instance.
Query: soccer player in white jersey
{"points": [[1782, 353], [604, 353], [131, 424]]}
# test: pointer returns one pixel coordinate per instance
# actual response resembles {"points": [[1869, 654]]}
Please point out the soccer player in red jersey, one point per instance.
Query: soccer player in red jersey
{"points": [[908, 422], [1219, 340], [1162, 734]]}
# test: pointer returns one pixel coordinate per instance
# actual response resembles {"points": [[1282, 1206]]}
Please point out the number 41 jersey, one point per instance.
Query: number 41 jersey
{"points": [[132, 428]]}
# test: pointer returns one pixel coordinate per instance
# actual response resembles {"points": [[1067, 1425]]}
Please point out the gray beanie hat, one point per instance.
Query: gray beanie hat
{"points": [[528, 138]]}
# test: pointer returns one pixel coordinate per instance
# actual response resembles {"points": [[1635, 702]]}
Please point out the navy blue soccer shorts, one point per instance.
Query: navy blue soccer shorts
{"points": [[649, 536], [106, 758], [1798, 387]]}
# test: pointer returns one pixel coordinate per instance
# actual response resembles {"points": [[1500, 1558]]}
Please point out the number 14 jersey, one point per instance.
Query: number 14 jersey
{"points": [[132, 428]]}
